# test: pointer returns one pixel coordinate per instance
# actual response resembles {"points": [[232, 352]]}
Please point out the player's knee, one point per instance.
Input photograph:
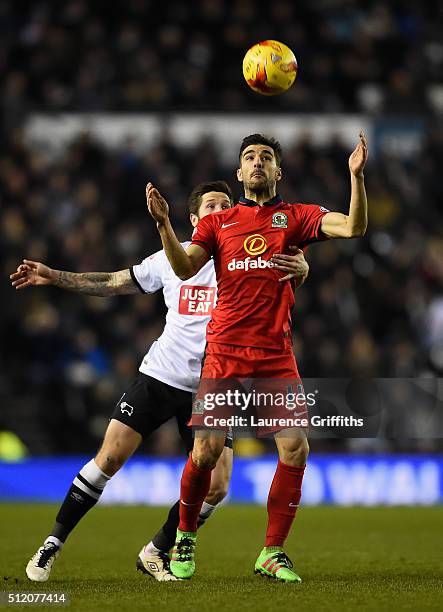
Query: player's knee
{"points": [[110, 460], [296, 453]]}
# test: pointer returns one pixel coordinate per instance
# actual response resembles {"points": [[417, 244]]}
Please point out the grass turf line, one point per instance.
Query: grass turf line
{"points": [[349, 559]]}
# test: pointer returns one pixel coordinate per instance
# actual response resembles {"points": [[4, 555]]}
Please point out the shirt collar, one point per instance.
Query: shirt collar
{"points": [[277, 199]]}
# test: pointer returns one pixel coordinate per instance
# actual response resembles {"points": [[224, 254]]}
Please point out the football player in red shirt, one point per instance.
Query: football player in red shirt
{"points": [[249, 335]]}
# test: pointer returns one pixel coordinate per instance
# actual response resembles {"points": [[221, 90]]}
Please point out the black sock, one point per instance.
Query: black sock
{"points": [[165, 538], [74, 507], [81, 497]]}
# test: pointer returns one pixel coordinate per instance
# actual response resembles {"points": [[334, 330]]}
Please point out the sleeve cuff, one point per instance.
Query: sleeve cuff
{"points": [[318, 235], [203, 245], [134, 278]]}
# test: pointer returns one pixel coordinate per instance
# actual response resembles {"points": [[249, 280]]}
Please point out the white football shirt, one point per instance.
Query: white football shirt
{"points": [[175, 358]]}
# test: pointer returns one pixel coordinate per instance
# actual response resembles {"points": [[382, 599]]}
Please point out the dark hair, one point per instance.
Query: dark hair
{"points": [[262, 140], [195, 198]]}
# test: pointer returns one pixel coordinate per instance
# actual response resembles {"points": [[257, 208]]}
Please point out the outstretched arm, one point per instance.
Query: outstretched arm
{"points": [[32, 273], [338, 225], [184, 263]]}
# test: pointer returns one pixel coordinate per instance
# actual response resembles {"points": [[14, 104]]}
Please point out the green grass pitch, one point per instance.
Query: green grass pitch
{"points": [[349, 559]]}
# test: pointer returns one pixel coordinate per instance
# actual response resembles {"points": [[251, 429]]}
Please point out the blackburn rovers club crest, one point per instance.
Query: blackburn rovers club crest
{"points": [[279, 219]]}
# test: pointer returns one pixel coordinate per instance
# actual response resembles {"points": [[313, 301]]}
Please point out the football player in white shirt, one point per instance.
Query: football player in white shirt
{"points": [[168, 375]]}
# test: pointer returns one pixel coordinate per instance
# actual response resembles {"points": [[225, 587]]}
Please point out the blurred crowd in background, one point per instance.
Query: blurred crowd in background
{"points": [[371, 307], [128, 55]]}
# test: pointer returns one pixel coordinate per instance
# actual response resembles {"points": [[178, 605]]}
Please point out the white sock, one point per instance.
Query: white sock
{"points": [[206, 510], [151, 548], [91, 480], [94, 475], [54, 540]]}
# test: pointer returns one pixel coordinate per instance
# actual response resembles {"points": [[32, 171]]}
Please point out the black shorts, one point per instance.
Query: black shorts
{"points": [[148, 403]]}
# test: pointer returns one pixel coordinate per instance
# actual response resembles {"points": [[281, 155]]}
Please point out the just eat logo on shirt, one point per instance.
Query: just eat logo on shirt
{"points": [[196, 300]]}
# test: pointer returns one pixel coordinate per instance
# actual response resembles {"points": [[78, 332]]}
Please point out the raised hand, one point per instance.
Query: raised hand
{"points": [[31, 273], [157, 205], [358, 157]]}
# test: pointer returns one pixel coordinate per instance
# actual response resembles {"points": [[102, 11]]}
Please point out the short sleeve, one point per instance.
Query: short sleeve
{"points": [[204, 234], [148, 275], [309, 218]]}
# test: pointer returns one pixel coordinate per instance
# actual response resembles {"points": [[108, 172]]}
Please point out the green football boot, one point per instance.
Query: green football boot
{"points": [[274, 563], [182, 561]]}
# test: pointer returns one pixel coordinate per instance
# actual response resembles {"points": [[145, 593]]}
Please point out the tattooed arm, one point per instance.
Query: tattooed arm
{"points": [[103, 284]]}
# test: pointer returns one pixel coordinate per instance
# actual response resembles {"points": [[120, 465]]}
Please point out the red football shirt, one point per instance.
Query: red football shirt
{"points": [[253, 308]]}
